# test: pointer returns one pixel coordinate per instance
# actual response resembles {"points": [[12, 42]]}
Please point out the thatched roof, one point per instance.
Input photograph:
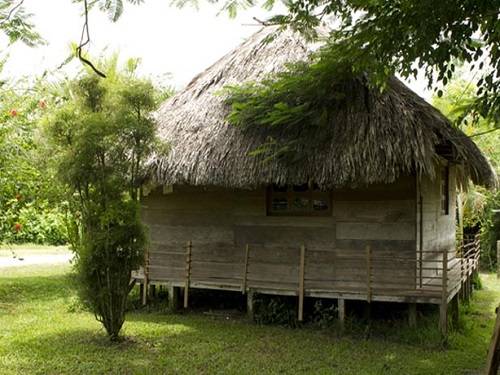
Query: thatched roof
{"points": [[376, 138]]}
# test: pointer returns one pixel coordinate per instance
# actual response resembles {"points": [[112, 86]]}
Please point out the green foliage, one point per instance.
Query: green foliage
{"points": [[382, 38], [490, 229], [324, 314], [30, 203], [38, 223], [302, 97], [275, 310], [478, 203], [113, 8], [102, 137], [15, 23], [60, 332]]}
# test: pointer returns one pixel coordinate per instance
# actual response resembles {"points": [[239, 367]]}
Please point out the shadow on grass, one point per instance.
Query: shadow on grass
{"points": [[192, 344], [162, 342]]}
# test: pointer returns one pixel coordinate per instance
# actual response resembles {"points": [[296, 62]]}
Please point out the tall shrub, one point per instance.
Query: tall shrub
{"points": [[103, 136]]}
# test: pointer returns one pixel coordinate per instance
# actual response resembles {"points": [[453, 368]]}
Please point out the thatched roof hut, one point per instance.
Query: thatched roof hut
{"points": [[375, 138], [365, 212]]}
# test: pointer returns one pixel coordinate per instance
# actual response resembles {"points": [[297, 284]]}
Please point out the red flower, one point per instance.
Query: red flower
{"points": [[18, 227], [13, 112], [42, 104]]}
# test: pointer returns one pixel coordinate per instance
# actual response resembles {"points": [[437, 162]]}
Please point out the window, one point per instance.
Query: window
{"points": [[445, 191], [298, 200]]}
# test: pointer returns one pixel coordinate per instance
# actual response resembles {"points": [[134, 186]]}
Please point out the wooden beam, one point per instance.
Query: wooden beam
{"points": [[341, 308], [443, 308], [455, 313], [245, 269], [146, 278], [421, 236], [173, 297], [141, 290], [152, 291], [301, 282], [188, 273], [368, 273], [412, 314], [250, 304], [462, 273]]}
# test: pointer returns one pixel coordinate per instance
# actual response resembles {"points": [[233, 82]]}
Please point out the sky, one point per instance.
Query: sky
{"points": [[174, 44]]}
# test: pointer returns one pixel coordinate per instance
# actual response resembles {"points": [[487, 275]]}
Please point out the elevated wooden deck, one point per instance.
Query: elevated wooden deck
{"points": [[313, 272]]}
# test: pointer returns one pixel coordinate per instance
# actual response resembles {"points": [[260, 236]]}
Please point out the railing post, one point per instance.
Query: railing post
{"points": [[188, 273], [301, 282], [443, 308], [462, 277], [145, 280], [245, 270], [368, 273]]}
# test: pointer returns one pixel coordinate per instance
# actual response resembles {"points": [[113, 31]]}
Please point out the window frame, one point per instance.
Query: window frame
{"points": [[311, 194], [444, 190]]}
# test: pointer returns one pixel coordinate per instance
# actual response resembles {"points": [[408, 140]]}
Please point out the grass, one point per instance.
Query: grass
{"points": [[31, 249], [44, 331]]}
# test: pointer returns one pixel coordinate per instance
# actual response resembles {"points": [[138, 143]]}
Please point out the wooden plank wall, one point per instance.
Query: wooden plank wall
{"points": [[381, 217], [438, 230], [221, 223]]}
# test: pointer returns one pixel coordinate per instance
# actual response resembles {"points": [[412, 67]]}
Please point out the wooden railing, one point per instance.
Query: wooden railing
{"points": [[373, 274]]}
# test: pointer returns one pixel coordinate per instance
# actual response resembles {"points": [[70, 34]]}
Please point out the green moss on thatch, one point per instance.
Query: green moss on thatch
{"points": [[364, 137]]}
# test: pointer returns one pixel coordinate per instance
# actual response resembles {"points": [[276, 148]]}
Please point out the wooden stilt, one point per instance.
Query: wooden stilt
{"points": [[455, 315], [141, 290], [145, 282], [341, 308], [462, 273], [472, 278], [368, 312], [250, 304], [152, 291], [466, 288], [301, 282], [173, 297], [443, 319], [412, 314]]}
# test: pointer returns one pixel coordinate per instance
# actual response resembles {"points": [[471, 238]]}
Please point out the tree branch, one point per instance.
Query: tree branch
{"points": [[84, 40], [11, 12], [485, 132]]}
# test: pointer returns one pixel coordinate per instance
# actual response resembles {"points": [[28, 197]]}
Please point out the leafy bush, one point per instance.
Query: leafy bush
{"points": [[325, 313], [490, 229], [30, 208], [275, 310], [34, 222], [102, 138]]}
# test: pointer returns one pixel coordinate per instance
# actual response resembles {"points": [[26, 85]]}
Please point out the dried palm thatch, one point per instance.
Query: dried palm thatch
{"points": [[374, 139]]}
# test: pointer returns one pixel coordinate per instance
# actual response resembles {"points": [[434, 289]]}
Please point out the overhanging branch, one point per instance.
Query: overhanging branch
{"points": [[84, 40], [11, 12]]}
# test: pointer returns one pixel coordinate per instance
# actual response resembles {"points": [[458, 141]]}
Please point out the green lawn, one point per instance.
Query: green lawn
{"points": [[43, 331]]}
